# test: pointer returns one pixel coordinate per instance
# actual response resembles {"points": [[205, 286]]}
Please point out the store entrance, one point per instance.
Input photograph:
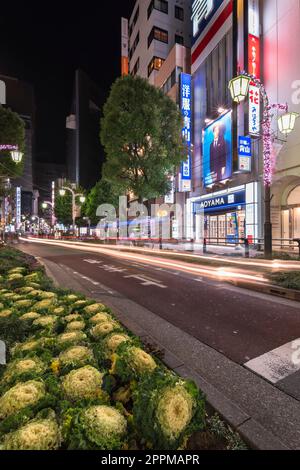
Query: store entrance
{"points": [[225, 228]]}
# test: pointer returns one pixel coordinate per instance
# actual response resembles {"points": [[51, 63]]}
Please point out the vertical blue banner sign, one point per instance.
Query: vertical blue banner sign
{"points": [[245, 154], [186, 110]]}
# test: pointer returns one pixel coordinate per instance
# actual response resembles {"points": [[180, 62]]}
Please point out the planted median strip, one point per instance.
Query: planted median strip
{"points": [[77, 379]]}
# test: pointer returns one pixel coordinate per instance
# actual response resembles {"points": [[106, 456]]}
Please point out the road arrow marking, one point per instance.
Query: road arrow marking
{"points": [[145, 281]]}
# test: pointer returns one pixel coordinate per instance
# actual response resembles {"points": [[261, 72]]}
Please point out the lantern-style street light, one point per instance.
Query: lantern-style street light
{"points": [[286, 123], [239, 89], [16, 156]]}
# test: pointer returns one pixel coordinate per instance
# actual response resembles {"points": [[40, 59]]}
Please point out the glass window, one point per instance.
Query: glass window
{"points": [[136, 67], [155, 64], [134, 45], [179, 13], [219, 71], [158, 34], [178, 39], [160, 5], [136, 16]]}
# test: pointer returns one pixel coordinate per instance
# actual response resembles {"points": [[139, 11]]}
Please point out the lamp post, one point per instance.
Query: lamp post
{"points": [[45, 206], [239, 89], [36, 217], [81, 196], [161, 214]]}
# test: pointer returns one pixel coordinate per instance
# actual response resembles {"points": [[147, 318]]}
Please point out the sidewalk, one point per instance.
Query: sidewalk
{"points": [[266, 417]]}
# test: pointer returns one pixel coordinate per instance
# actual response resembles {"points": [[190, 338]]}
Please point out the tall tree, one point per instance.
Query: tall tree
{"points": [[12, 132], [141, 134], [101, 193]]}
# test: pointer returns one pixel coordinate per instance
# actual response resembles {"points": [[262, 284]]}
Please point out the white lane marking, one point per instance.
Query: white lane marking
{"points": [[86, 278], [92, 261], [146, 281], [278, 364]]}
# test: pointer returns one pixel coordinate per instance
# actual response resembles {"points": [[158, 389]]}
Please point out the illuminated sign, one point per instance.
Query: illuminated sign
{"points": [[201, 10], [186, 110], [18, 207], [8, 147], [253, 17], [254, 55], [245, 154], [217, 151], [217, 203], [254, 110], [170, 197]]}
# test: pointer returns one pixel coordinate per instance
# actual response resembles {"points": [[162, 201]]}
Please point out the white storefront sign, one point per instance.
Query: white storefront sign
{"points": [[253, 18], [254, 110]]}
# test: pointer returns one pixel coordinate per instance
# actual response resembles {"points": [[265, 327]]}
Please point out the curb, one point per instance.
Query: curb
{"points": [[269, 289]]}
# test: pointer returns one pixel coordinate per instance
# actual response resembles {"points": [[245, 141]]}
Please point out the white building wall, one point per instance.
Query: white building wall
{"points": [[281, 45], [164, 21]]}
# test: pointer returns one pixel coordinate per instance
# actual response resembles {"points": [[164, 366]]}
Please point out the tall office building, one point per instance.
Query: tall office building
{"points": [[155, 26], [85, 154], [19, 97]]}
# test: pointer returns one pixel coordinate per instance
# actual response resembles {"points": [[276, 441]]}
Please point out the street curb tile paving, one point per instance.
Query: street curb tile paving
{"points": [[252, 420]]}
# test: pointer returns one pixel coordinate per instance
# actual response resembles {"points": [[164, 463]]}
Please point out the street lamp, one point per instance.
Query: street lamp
{"points": [[161, 214], [239, 89], [16, 156], [62, 193], [286, 123], [45, 206]]}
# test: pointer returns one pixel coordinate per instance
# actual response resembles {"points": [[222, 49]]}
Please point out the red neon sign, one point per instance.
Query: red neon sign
{"points": [[254, 56]]}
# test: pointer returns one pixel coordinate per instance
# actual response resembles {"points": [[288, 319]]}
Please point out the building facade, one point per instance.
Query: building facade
{"points": [[281, 42], [155, 26], [223, 204], [226, 203], [19, 97], [85, 154]]}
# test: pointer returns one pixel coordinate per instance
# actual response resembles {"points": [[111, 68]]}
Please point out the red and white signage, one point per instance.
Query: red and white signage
{"points": [[254, 110], [254, 56], [216, 19]]}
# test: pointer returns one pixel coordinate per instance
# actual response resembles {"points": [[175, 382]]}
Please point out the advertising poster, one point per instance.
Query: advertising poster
{"points": [[217, 151]]}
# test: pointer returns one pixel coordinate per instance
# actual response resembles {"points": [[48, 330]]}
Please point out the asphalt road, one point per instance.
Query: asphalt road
{"points": [[240, 324]]}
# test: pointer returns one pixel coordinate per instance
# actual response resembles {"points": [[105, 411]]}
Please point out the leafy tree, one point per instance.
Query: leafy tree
{"points": [[141, 134], [63, 205], [102, 193], [12, 132]]}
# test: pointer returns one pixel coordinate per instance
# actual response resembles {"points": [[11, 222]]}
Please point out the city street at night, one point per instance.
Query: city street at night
{"points": [[150, 233], [250, 329]]}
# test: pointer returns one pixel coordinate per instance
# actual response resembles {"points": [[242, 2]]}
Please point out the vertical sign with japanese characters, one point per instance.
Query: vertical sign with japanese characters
{"points": [[186, 110], [254, 110], [18, 207], [254, 66]]}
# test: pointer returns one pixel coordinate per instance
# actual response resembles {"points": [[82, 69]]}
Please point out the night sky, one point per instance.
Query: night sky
{"points": [[44, 45]]}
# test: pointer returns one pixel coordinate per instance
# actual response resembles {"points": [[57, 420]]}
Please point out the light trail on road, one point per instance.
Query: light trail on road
{"points": [[271, 265], [222, 273]]}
